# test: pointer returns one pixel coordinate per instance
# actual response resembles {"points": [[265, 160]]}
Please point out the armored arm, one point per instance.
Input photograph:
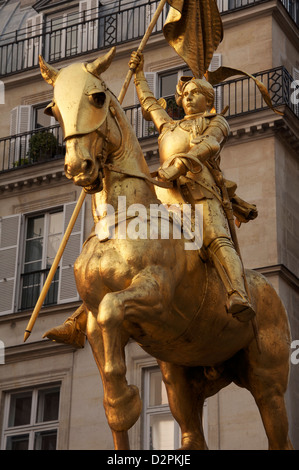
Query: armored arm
{"points": [[152, 109]]}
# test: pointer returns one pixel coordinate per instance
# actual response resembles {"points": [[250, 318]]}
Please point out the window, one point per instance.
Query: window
{"points": [[167, 88], [160, 430], [28, 246], [73, 31], [31, 419], [43, 235], [63, 34], [40, 119]]}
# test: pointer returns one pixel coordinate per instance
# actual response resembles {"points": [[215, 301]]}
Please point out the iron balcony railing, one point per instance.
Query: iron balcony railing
{"points": [[29, 148], [94, 30], [32, 284], [241, 95]]}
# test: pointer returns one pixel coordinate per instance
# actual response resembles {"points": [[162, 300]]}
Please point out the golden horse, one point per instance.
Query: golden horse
{"points": [[154, 291]]}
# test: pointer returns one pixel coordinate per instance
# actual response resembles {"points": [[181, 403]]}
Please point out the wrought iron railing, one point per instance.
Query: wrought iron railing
{"points": [[241, 95], [226, 6], [94, 30], [32, 284], [29, 148]]}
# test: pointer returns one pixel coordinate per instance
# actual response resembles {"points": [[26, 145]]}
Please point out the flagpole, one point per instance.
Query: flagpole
{"points": [[79, 204], [141, 48]]}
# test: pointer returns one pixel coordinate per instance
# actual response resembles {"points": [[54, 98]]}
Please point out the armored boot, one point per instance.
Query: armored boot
{"points": [[229, 267], [72, 331]]}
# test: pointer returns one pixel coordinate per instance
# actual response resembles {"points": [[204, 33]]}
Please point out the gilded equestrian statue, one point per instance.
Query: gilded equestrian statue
{"points": [[170, 300]]}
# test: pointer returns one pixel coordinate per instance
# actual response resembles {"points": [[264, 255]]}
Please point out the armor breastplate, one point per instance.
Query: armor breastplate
{"points": [[177, 136]]}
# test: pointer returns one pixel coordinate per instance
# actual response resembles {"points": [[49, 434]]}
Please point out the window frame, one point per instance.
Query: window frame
{"points": [[34, 426], [43, 268], [179, 71], [154, 410]]}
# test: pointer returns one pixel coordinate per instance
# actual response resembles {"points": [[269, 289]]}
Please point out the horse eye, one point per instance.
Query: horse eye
{"points": [[98, 99]]}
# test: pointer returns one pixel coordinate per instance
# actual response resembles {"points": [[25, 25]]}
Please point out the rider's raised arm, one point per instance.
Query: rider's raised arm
{"points": [[152, 110]]}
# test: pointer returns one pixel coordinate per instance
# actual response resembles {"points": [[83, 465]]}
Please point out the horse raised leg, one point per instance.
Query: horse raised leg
{"points": [[117, 311], [120, 438]]}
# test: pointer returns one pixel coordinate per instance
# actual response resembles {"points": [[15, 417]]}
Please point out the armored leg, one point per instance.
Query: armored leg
{"points": [[229, 267], [72, 331]]}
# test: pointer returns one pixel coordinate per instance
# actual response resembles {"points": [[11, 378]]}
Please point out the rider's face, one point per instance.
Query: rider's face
{"points": [[193, 100]]}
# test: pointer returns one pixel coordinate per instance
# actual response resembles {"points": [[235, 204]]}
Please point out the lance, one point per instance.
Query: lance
{"points": [[80, 201]]}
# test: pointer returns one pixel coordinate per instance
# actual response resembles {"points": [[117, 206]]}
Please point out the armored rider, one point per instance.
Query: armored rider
{"points": [[189, 153]]}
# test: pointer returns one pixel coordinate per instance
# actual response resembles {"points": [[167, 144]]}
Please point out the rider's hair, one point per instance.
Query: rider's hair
{"points": [[203, 85]]}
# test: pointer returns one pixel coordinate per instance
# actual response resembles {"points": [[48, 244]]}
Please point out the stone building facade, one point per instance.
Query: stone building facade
{"points": [[51, 394]]}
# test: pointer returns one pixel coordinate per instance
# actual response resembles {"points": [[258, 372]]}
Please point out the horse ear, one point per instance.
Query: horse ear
{"points": [[48, 72], [102, 63]]}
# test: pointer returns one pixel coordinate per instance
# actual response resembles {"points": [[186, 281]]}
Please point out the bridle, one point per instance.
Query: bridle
{"points": [[104, 134]]}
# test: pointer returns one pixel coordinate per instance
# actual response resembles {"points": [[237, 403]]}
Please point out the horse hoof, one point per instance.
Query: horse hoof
{"points": [[123, 412], [193, 443]]}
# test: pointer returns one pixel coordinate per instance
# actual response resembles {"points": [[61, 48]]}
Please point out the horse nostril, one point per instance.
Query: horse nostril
{"points": [[66, 169], [87, 166]]}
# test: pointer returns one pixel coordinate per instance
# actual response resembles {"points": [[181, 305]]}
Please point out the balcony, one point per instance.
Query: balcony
{"points": [[31, 148], [94, 31], [241, 95]]}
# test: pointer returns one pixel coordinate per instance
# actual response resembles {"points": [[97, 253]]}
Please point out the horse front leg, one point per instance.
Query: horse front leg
{"points": [[122, 402], [94, 334]]}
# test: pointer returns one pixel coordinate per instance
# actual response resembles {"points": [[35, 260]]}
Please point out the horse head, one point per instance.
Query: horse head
{"points": [[81, 104]]}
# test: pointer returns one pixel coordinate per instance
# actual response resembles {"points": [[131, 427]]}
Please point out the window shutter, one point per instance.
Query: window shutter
{"points": [[222, 5], [20, 119], [67, 285], [14, 121], [88, 30], [2, 92], [149, 13], [20, 122], [33, 46], [9, 252], [216, 62]]}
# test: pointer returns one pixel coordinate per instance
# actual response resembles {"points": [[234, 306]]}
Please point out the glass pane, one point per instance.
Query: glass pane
{"points": [[161, 432], [31, 267], [53, 245], [168, 84], [52, 294], [55, 223], [45, 440], [157, 392], [17, 442], [48, 405], [34, 250], [20, 409], [35, 227], [41, 119]]}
